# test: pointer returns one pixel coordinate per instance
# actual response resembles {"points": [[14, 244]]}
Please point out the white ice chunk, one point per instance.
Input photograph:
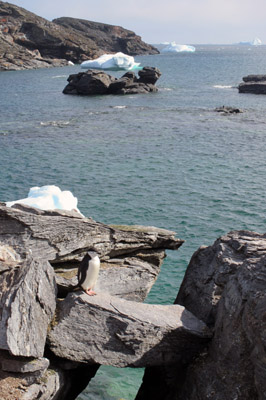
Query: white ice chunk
{"points": [[256, 42], [178, 48], [48, 197], [113, 62]]}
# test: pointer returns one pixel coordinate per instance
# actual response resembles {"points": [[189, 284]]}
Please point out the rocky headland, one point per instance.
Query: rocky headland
{"points": [[28, 41], [209, 344], [93, 82], [255, 84]]}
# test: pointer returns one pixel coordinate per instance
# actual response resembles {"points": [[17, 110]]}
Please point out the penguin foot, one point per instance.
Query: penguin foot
{"points": [[90, 292]]}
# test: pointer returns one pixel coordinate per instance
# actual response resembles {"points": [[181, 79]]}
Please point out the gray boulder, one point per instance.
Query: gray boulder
{"points": [[88, 83], [149, 75], [225, 286], [111, 331]]}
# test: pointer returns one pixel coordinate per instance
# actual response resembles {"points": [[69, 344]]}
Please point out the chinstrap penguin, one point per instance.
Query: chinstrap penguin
{"points": [[88, 272]]}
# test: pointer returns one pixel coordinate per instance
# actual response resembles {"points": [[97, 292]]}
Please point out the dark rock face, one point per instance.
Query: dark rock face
{"points": [[225, 287], [93, 82], [109, 38], [88, 83], [28, 41], [255, 84]]}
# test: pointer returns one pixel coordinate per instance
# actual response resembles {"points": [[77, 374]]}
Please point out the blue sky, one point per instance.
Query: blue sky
{"points": [[183, 21]]}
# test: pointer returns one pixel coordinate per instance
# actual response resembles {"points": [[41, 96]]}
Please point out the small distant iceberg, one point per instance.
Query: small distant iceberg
{"points": [[113, 62], [48, 197], [255, 42], [178, 48]]}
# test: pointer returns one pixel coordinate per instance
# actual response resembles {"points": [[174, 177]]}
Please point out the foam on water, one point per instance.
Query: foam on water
{"points": [[223, 86]]}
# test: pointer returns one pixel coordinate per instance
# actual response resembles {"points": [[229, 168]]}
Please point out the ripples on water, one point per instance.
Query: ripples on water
{"points": [[164, 159]]}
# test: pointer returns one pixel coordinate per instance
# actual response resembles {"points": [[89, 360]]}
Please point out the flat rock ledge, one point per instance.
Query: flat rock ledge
{"points": [[95, 82], [110, 331], [255, 84]]}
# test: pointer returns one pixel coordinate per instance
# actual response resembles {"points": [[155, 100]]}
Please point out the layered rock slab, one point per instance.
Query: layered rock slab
{"points": [[112, 331], [60, 236]]}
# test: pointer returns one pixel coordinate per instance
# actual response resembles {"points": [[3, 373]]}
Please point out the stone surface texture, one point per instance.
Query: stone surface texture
{"points": [[106, 330], [28, 41], [94, 82], [225, 287], [27, 303]]}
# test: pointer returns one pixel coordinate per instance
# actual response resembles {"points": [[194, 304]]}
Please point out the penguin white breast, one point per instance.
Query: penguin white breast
{"points": [[92, 273]]}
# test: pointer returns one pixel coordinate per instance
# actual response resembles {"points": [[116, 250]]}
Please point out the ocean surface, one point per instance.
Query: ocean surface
{"points": [[165, 159]]}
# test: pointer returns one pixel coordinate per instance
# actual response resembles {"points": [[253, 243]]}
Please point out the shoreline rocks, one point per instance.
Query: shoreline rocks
{"points": [[255, 84], [95, 82]]}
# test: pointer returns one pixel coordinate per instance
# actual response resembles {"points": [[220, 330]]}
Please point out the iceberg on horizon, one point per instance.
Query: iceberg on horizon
{"points": [[113, 62], [48, 197], [178, 48], [255, 42]]}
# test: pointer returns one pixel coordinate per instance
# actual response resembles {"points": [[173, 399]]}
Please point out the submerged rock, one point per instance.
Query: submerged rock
{"points": [[228, 110], [93, 82]]}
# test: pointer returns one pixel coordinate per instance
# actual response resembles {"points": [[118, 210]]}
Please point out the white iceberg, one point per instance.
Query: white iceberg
{"points": [[114, 62], [178, 48], [48, 197], [255, 42]]}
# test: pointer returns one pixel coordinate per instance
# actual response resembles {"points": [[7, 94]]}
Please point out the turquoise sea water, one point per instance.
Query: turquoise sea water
{"points": [[164, 159]]}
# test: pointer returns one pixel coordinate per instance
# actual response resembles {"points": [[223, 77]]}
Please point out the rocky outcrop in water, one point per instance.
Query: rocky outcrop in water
{"points": [[224, 286], [255, 84], [93, 82], [28, 41]]}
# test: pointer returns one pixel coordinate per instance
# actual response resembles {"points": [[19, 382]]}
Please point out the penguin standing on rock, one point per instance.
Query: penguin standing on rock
{"points": [[88, 272]]}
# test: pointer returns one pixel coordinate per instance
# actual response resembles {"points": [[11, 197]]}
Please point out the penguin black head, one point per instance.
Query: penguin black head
{"points": [[92, 254]]}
